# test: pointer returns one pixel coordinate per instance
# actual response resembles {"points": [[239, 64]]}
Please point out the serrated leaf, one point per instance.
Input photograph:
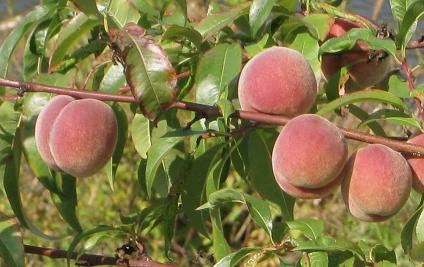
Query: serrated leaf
{"points": [[140, 133], [148, 70], [363, 96], [215, 22], [383, 256], [258, 13], [11, 245], [216, 69], [7, 47], [348, 41]]}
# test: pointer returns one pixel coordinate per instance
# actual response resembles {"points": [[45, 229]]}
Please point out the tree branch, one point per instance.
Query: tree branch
{"points": [[211, 112], [93, 259]]}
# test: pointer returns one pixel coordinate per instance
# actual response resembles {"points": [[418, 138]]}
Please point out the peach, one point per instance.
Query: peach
{"points": [[377, 183], [44, 124], [83, 137], [363, 72], [279, 81], [308, 156], [417, 165]]}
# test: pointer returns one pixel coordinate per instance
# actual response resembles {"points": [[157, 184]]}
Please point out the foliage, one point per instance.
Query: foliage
{"points": [[194, 186]]}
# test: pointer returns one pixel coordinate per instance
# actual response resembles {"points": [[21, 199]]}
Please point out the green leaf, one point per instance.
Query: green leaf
{"points": [[348, 41], [363, 115], [148, 70], [216, 69], [417, 252], [89, 8], [419, 228], [311, 228], [66, 202], [309, 47], [10, 156], [398, 87], [258, 14], [258, 209], [407, 233], [76, 30], [394, 116], [362, 96], [176, 33], [40, 13], [383, 256], [156, 154], [216, 22], [413, 14], [318, 25], [256, 48], [11, 246], [194, 185], [140, 133], [256, 152], [113, 79], [112, 165], [399, 8], [235, 258], [122, 12], [87, 233], [318, 259]]}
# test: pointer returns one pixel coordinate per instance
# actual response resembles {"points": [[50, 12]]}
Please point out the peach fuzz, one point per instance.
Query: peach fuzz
{"points": [[279, 81], [377, 183]]}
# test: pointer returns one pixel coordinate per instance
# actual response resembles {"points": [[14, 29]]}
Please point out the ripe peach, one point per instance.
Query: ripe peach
{"points": [[44, 124], [278, 80], [417, 165], [308, 156], [83, 137], [363, 72], [377, 183]]}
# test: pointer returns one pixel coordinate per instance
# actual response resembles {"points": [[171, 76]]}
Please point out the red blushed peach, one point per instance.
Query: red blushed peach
{"points": [[307, 193], [377, 183], [363, 72], [83, 137], [43, 126], [279, 81], [310, 152], [417, 165]]}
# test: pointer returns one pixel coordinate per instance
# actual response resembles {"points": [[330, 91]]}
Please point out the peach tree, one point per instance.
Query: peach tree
{"points": [[236, 113]]}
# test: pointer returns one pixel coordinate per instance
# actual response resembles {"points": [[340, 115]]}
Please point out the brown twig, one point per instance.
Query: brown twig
{"points": [[211, 112], [92, 259]]}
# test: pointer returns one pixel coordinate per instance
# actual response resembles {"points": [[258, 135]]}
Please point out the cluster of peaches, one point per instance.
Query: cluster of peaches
{"points": [[310, 156]]}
